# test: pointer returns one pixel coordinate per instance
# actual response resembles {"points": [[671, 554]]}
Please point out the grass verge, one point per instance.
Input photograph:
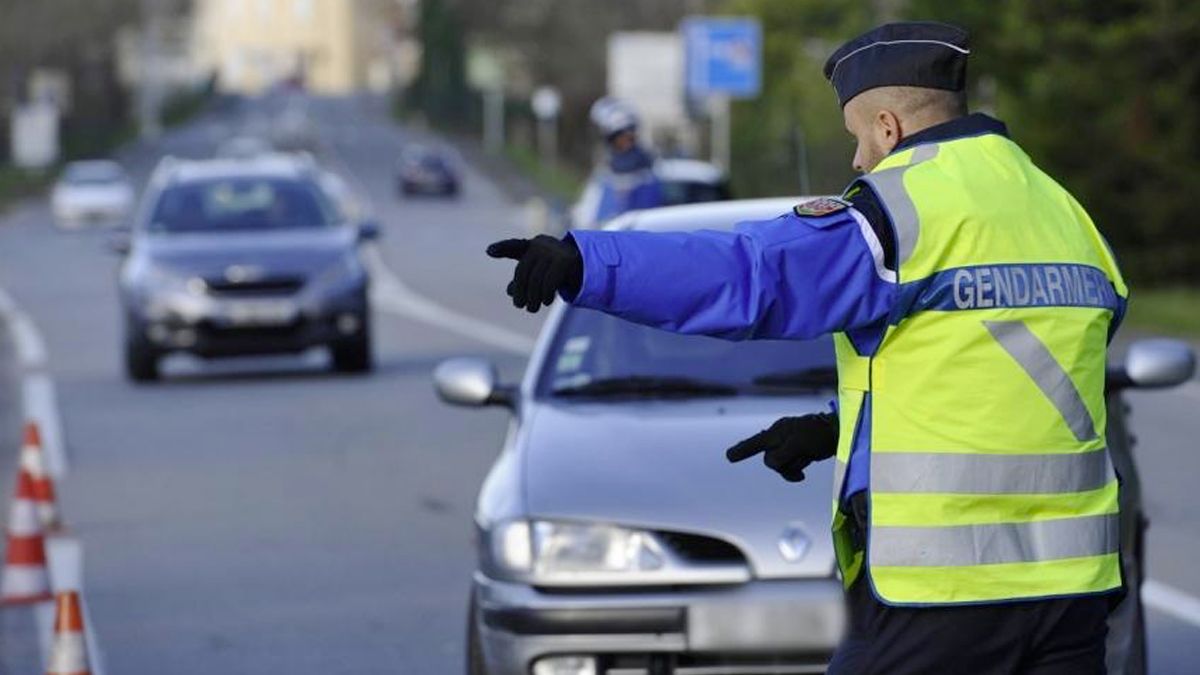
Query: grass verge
{"points": [[18, 183], [561, 181], [1169, 311]]}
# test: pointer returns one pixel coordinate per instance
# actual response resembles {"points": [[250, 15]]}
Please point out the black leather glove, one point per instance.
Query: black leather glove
{"points": [[545, 266], [791, 444]]}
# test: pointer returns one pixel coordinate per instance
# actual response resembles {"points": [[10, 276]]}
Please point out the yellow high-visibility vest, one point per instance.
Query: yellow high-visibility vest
{"points": [[982, 409]]}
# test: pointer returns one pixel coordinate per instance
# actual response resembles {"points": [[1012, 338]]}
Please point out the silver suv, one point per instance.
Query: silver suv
{"points": [[614, 537]]}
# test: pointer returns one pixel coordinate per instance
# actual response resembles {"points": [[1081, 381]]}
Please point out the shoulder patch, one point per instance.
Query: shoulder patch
{"points": [[822, 206]]}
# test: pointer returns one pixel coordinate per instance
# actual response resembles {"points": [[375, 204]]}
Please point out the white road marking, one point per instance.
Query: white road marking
{"points": [[40, 401], [31, 351], [1191, 389], [1171, 600], [390, 294]]}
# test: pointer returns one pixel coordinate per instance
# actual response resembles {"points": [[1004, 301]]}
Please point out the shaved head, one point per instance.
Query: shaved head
{"points": [[880, 118]]}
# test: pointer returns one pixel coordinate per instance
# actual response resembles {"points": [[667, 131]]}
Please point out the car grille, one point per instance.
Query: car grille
{"points": [[261, 287], [701, 549]]}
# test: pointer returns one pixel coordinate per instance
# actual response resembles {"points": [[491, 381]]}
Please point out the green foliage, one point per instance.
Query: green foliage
{"points": [[440, 90], [1167, 311], [1105, 96]]}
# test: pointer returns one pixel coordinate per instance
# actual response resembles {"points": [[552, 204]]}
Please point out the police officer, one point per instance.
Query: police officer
{"points": [[971, 300], [627, 181]]}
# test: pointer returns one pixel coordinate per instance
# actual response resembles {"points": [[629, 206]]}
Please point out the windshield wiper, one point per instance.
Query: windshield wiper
{"points": [[650, 386], [821, 377]]}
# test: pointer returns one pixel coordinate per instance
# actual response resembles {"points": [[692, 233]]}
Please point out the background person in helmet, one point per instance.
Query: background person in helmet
{"points": [[627, 182]]}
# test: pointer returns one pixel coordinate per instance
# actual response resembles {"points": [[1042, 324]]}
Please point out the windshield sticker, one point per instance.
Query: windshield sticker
{"points": [[569, 363], [577, 344]]}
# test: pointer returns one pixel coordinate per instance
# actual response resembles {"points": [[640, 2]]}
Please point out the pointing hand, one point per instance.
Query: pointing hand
{"points": [[791, 444], [545, 267]]}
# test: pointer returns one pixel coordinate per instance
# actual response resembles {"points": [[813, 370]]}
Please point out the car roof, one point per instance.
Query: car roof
{"points": [[689, 170], [272, 165], [721, 215]]}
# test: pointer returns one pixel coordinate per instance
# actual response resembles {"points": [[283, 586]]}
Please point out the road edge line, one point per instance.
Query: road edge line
{"points": [[1172, 601], [39, 398], [393, 295]]}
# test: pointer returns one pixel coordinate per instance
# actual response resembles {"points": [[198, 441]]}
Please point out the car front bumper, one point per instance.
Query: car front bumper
{"points": [[777, 626], [214, 328]]}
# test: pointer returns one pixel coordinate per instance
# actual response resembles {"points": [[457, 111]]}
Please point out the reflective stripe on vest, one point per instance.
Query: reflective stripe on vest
{"points": [[977, 473], [989, 479], [995, 543]]}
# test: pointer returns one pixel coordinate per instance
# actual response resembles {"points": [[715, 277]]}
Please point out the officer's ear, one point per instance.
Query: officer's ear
{"points": [[887, 130]]}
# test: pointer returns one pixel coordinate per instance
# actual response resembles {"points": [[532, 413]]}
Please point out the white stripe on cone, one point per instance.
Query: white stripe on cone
{"points": [[23, 519], [24, 581], [31, 461], [69, 655]]}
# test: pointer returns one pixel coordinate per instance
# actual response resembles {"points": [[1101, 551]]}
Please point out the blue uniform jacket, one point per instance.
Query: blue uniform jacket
{"points": [[795, 276], [629, 184]]}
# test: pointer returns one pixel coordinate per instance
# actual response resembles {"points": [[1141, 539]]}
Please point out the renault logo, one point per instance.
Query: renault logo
{"points": [[241, 274], [794, 543]]}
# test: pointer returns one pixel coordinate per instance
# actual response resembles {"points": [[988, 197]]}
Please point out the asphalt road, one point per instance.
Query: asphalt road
{"points": [[261, 514]]}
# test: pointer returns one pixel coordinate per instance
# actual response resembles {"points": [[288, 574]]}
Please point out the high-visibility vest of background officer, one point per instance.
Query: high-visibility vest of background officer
{"points": [[972, 300]]}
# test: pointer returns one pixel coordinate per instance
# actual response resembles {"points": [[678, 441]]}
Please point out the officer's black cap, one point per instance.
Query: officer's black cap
{"points": [[909, 54]]}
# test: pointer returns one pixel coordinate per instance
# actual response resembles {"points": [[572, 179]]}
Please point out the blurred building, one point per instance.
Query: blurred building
{"points": [[329, 46]]}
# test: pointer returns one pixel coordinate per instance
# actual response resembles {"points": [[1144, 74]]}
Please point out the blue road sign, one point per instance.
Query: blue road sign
{"points": [[723, 56]]}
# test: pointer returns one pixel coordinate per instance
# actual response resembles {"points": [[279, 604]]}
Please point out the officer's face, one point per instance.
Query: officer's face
{"points": [[622, 141], [876, 129]]}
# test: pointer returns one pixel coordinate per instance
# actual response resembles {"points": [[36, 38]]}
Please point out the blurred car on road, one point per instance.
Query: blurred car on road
{"points": [[425, 170], [613, 536], [91, 191], [243, 147], [243, 257], [683, 181]]}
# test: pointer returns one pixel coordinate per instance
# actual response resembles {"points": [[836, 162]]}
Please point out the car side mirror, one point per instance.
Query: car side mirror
{"points": [[368, 230], [470, 381], [1154, 363]]}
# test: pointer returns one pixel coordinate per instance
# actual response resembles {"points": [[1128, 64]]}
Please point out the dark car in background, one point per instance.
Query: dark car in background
{"points": [[243, 257], [425, 170]]}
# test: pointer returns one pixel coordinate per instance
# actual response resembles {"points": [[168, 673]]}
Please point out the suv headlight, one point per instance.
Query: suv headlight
{"points": [[564, 553]]}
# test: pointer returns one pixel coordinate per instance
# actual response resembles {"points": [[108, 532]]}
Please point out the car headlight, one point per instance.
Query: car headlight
{"points": [[168, 293], [552, 552], [162, 280]]}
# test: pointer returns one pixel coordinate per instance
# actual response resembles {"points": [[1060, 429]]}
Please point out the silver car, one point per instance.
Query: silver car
{"points": [[613, 536]]}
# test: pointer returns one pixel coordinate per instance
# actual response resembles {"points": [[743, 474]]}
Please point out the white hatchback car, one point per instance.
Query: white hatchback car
{"points": [[91, 191]]}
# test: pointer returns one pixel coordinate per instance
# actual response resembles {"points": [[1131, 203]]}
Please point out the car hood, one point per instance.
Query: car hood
{"points": [[661, 465], [294, 252]]}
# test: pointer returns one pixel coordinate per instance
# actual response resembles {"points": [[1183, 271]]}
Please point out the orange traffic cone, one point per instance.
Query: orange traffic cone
{"points": [[33, 460], [25, 578], [68, 651]]}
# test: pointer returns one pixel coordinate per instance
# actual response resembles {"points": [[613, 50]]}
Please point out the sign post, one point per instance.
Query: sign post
{"points": [[546, 103], [723, 62]]}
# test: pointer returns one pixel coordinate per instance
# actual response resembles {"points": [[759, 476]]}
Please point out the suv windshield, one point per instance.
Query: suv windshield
{"points": [[596, 355], [92, 174], [234, 204]]}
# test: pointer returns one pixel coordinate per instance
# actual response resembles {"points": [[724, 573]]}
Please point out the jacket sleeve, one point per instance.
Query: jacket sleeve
{"points": [[791, 277]]}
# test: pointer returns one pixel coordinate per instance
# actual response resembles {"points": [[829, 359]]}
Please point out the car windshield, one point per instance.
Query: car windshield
{"points": [[235, 204], [597, 355], [687, 192], [92, 174]]}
